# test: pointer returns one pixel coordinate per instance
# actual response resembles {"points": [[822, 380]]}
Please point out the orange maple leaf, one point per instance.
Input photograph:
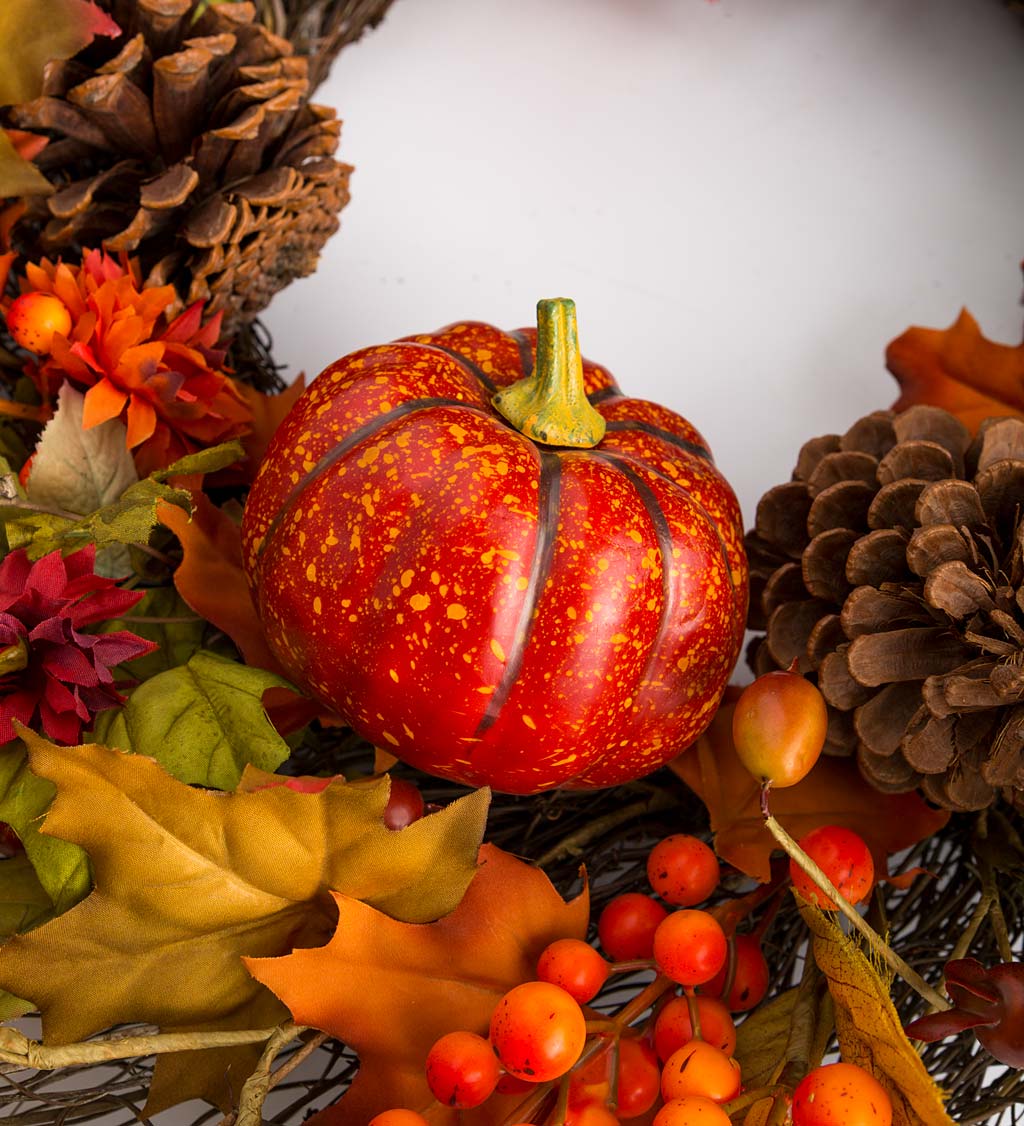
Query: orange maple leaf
{"points": [[958, 369], [390, 989], [834, 793]]}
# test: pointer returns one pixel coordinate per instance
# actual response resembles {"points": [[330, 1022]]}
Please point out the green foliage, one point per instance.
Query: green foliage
{"points": [[202, 721]]}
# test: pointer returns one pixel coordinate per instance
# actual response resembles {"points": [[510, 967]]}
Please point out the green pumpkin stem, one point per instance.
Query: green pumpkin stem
{"points": [[551, 406]]}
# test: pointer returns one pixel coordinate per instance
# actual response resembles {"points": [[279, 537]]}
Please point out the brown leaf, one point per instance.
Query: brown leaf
{"points": [[834, 793], [189, 880], [869, 1028], [424, 980], [959, 370], [32, 32]]}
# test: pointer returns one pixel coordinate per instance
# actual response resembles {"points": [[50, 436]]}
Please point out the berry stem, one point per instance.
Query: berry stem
{"points": [[871, 936], [754, 1095], [694, 1010], [575, 844], [631, 965]]}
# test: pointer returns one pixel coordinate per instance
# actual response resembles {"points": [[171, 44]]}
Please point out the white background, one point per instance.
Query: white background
{"points": [[747, 199]]}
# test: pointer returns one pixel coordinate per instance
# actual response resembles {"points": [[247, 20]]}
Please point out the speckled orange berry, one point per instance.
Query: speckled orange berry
{"points": [[841, 1094], [35, 318]]}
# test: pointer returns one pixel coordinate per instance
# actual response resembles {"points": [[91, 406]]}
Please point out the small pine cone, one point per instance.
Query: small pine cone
{"points": [[191, 145], [891, 569]]}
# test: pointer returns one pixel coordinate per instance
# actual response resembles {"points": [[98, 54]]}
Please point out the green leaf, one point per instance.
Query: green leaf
{"points": [[179, 637], [23, 899], [32, 32], [203, 721], [203, 461], [62, 868], [130, 519], [762, 1038]]}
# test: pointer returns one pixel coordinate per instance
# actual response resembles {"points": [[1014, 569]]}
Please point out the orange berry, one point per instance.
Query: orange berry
{"points": [[538, 1031], [699, 1068], [35, 318], [690, 946], [844, 857], [673, 1029], [574, 965], [692, 1110], [398, 1117], [841, 1094], [778, 727], [683, 870]]}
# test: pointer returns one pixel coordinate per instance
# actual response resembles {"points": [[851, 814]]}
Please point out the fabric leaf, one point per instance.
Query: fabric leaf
{"points": [[187, 880], [958, 369], [81, 471], [61, 867], [32, 32], [18, 176], [203, 721], [834, 793], [424, 980], [869, 1029], [211, 579]]}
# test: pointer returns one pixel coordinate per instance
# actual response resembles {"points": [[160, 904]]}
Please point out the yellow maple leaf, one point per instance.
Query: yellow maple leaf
{"points": [[188, 880]]}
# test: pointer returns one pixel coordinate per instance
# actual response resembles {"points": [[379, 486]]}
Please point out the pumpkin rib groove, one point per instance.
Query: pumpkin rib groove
{"points": [[664, 435], [602, 393], [712, 522], [663, 536], [467, 365], [549, 497], [367, 430]]}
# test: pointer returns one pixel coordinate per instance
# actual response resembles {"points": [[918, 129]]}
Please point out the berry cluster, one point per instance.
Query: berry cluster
{"points": [[673, 1041]]}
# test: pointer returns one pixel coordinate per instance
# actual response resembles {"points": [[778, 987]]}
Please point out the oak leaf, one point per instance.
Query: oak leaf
{"points": [[869, 1029], [958, 369], [424, 981], [189, 880], [834, 793]]}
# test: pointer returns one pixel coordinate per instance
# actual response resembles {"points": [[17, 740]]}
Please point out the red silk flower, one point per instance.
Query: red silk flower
{"points": [[53, 676]]}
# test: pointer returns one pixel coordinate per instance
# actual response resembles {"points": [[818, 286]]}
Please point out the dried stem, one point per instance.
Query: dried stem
{"points": [[874, 940], [18, 1049]]}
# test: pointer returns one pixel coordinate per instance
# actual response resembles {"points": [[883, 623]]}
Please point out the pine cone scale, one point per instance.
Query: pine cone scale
{"points": [[910, 607], [208, 124]]}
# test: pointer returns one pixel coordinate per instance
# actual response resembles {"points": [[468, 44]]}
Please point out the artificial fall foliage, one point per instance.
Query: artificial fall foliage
{"points": [[197, 875], [56, 675], [163, 375], [958, 369], [834, 793], [425, 980]]}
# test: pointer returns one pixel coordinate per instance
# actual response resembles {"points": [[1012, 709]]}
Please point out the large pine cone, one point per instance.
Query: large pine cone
{"points": [[191, 145], [891, 569]]}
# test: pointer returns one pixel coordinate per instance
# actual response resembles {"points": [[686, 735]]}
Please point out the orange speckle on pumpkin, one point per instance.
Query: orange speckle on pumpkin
{"points": [[393, 675], [317, 605], [456, 611], [390, 738], [497, 650], [419, 601], [528, 720], [407, 577], [311, 572], [602, 564]]}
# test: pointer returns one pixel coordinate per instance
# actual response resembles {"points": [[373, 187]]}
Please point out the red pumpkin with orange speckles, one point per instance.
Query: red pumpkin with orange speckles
{"points": [[522, 581]]}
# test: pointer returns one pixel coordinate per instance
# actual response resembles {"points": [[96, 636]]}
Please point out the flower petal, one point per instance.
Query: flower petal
{"points": [[103, 401], [141, 421]]}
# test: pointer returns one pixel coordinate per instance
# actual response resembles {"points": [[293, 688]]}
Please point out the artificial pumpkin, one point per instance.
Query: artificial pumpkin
{"points": [[523, 604]]}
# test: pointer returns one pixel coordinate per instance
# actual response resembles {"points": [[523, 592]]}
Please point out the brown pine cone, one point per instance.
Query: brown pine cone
{"points": [[191, 145], [890, 568]]}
